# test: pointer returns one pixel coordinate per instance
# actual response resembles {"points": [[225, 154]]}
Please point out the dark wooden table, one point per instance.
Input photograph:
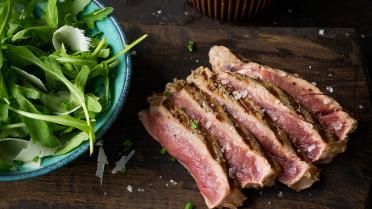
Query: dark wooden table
{"points": [[346, 183]]}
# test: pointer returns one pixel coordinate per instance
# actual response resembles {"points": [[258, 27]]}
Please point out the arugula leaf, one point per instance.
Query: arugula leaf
{"points": [[65, 120], [33, 79], [98, 14], [4, 108], [24, 56], [51, 13], [73, 142], [4, 16], [5, 165], [3, 88], [38, 130], [43, 32], [72, 7]]}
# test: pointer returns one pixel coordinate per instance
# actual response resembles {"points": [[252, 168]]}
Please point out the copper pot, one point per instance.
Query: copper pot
{"points": [[231, 10]]}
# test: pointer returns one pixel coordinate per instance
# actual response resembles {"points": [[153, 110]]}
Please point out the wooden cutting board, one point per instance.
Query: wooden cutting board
{"points": [[332, 60]]}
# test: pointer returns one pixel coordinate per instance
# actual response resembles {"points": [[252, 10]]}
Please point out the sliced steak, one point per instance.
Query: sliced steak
{"points": [[327, 111], [245, 161], [296, 172], [192, 150], [302, 133]]}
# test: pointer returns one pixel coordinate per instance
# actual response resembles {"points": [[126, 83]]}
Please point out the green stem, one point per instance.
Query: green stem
{"points": [[126, 49], [99, 47]]}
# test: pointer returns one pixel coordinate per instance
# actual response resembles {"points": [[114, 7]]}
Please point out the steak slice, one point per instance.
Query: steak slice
{"points": [[192, 150], [296, 172], [302, 133], [245, 161], [327, 110]]}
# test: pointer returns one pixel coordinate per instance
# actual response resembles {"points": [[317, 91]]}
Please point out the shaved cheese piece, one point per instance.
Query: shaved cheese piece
{"points": [[120, 165], [101, 163], [70, 37]]}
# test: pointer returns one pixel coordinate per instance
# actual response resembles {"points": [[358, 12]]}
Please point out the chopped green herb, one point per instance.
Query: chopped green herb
{"points": [[36, 159], [189, 205], [181, 110], [173, 159], [167, 94], [163, 151], [128, 145], [190, 46], [194, 124]]}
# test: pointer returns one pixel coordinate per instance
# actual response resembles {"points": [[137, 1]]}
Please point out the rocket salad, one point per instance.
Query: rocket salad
{"points": [[48, 70]]}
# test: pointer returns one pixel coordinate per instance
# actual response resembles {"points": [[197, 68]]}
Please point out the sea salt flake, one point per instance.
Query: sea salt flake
{"points": [[321, 32], [330, 89], [197, 61], [363, 36], [309, 66], [130, 188], [269, 202], [236, 95], [311, 148], [313, 83], [330, 75], [280, 194], [208, 125], [159, 12], [173, 181], [360, 106]]}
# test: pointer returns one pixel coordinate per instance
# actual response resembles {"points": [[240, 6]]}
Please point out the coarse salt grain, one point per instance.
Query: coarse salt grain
{"points": [[224, 82], [173, 181], [236, 95], [139, 189], [197, 61], [330, 89], [208, 124], [309, 66], [321, 32], [330, 75], [311, 148], [313, 83], [159, 12], [360, 106], [130, 188], [280, 194]]}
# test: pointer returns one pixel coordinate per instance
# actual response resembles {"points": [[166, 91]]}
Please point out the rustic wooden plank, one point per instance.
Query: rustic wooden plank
{"points": [[344, 183]]}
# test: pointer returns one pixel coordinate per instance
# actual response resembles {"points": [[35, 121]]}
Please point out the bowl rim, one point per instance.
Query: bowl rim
{"points": [[73, 155]]}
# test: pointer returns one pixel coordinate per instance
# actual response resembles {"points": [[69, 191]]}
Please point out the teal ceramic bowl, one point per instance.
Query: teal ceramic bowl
{"points": [[119, 90]]}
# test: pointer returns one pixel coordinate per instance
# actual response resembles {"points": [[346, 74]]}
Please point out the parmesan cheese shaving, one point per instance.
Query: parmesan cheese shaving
{"points": [[120, 165], [101, 163]]}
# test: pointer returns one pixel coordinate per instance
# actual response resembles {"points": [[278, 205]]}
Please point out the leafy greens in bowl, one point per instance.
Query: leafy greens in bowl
{"points": [[63, 80]]}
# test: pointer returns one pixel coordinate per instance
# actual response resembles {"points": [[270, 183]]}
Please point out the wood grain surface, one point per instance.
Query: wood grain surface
{"points": [[335, 61]]}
